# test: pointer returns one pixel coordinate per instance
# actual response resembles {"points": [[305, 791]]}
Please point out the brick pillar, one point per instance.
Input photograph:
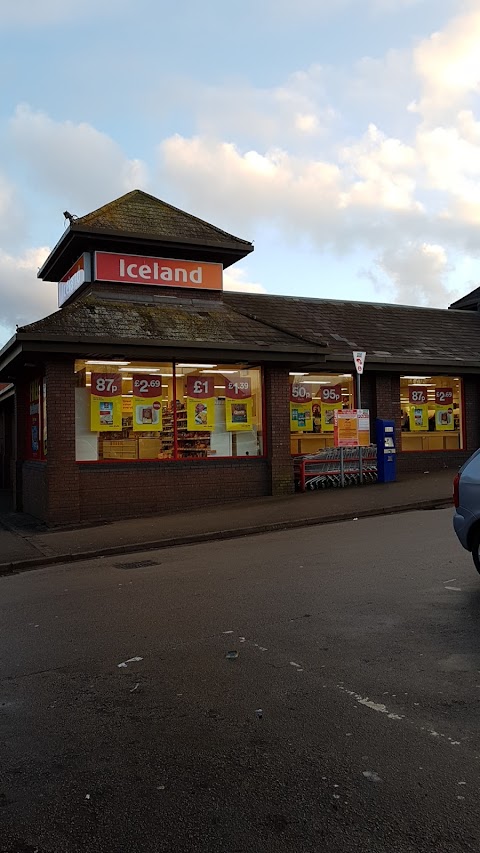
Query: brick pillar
{"points": [[368, 391], [277, 400], [387, 399], [63, 497], [471, 412]]}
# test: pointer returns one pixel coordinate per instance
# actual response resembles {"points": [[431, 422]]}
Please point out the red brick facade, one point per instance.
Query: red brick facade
{"points": [[62, 491]]}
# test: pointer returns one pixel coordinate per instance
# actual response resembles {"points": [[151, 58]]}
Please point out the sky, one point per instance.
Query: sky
{"points": [[342, 137]]}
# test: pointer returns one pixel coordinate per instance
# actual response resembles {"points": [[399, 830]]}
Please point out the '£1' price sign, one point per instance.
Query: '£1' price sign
{"points": [[200, 387]]}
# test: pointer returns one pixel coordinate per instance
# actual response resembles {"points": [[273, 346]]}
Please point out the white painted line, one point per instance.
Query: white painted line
{"points": [[454, 588], [130, 660]]}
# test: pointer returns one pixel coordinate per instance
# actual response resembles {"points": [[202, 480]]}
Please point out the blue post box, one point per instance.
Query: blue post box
{"points": [[386, 451]]}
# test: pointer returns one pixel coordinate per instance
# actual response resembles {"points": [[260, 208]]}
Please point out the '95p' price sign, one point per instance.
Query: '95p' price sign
{"points": [[200, 387], [145, 385], [238, 387], [443, 396], [417, 395], [331, 393], [106, 384], [300, 392]]}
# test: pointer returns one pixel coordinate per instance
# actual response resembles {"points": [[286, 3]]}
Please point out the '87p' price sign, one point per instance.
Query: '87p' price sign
{"points": [[106, 384], [417, 395]]}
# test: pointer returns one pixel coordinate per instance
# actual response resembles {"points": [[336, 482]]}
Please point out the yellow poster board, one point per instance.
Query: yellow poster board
{"points": [[200, 414], [301, 417], [328, 417], [444, 419], [147, 403], [106, 402], [418, 416], [239, 414]]}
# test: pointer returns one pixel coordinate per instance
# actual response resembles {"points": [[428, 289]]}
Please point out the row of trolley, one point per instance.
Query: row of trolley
{"points": [[336, 467]]}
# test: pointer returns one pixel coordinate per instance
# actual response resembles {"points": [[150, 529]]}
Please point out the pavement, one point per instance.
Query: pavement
{"points": [[347, 718], [26, 543]]}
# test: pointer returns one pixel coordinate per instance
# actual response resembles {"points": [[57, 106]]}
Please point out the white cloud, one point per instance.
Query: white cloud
{"points": [[79, 164], [448, 66], [235, 278], [416, 274], [24, 297], [12, 213]]}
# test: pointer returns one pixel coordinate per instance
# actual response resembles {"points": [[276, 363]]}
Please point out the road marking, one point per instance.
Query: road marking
{"points": [[454, 588], [130, 660]]}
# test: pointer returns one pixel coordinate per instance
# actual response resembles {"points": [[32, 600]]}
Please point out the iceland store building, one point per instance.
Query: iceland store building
{"points": [[152, 389]]}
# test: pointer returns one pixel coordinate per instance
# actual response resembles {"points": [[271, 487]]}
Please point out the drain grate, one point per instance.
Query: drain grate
{"points": [[136, 564]]}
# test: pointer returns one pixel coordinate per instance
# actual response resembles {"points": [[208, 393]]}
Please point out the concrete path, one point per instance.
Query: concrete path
{"points": [[26, 544]]}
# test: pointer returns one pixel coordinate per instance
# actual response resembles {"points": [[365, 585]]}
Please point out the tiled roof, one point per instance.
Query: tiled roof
{"points": [[139, 213], [208, 321], [386, 332]]}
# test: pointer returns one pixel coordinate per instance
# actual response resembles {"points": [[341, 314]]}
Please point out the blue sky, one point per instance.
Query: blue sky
{"points": [[342, 137]]}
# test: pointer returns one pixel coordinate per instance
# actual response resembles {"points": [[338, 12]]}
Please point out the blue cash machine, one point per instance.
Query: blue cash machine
{"points": [[386, 451]]}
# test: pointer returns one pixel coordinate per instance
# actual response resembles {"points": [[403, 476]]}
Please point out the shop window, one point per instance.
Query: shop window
{"points": [[138, 411], [219, 411], [431, 413], [313, 400]]}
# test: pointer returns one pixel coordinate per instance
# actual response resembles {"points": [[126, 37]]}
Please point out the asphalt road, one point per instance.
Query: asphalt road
{"points": [[348, 722]]}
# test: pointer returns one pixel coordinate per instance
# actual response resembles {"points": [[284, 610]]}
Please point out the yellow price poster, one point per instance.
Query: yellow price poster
{"points": [[444, 418], [147, 403], [418, 415], [301, 416], [106, 402], [301, 407], [238, 403], [200, 403], [330, 400]]}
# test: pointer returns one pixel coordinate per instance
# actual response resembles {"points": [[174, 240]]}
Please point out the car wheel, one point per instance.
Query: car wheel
{"points": [[476, 548]]}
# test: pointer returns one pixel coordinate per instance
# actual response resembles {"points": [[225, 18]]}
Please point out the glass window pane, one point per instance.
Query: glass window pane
{"points": [[218, 411], [313, 400], [431, 413], [123, 410]]}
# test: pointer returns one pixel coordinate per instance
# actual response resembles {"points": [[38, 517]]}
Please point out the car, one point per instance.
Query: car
{"points": [[466, 497]]}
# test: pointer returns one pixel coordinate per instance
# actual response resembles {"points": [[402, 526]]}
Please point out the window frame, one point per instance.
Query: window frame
{"points": [[462, 431]]}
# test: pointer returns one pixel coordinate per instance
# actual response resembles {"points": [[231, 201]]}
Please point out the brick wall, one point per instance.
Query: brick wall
{"points": [[277, 398], [20, 429], [110, 491], [34, 497]]}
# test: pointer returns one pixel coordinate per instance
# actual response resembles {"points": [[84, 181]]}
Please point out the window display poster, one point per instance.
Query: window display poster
{"points": [[147, 402], [417, 397], [346, 428], [106, 402], [301, 407], [363, 427], [331, 399], [200, 403], [238, 403], [34, 438], [444, 419]]}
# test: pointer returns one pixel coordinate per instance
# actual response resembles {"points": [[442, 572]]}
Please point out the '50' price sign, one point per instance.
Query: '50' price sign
{"points": [[106, 384], [417, 394], [238, 387], [145, 385], [300, 392], [200, 387]]}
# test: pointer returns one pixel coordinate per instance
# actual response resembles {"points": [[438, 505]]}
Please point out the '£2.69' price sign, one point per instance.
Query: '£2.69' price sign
{"points": [[106, 402], [147, 403], [443, 396]]}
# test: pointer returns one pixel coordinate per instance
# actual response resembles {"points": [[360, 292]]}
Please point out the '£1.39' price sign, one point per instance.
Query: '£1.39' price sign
{"points": [[238, 403], [200, 403], [147, 402], [106, 402]]}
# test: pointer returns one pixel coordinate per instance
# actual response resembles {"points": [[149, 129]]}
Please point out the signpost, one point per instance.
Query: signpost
{"points": [[359, 361]]}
